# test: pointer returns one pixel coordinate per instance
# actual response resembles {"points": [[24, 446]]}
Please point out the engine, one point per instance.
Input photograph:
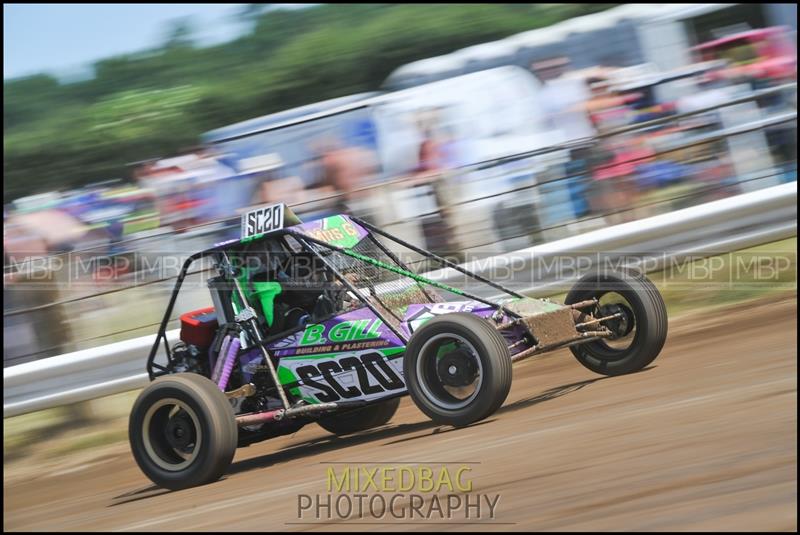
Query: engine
{"points": [[198, 329], [189, 358]]}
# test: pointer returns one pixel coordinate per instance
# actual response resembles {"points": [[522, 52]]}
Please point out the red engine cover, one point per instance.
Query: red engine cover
{"points": [[199, 327]]}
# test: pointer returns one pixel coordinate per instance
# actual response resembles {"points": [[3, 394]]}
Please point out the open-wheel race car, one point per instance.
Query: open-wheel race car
{"points": [[323, 322]]}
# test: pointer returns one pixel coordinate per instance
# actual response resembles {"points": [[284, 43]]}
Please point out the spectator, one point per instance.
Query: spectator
{"points": [[563, 99], [342, 170], [429, 186], [563, 102]]}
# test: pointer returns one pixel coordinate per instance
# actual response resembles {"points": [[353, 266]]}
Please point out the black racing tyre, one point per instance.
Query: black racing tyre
{"points": [[182, 431], [457, 369], [647, 333], [360, 419]]}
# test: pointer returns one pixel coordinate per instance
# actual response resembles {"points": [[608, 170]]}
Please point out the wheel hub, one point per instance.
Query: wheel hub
{"points": [[622, 325], [457, 368], [180, 432]]}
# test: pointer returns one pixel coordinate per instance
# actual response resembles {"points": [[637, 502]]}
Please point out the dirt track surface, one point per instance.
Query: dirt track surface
{"points": [[705, 439]]}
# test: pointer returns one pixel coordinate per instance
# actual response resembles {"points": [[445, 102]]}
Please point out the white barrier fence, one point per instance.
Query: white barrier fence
{"points": [[712, 228]]}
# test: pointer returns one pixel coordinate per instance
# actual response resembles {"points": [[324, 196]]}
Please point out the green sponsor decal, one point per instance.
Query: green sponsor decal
{"points": [[310, 399], [386, 352], [336, 230], [355, 330], [346, 331], [286, 376], [313, 334], [252, 238], [391, 351]]}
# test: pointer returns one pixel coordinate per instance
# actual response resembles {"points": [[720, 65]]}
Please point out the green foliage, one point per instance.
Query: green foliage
{"points": [[156, 102]]}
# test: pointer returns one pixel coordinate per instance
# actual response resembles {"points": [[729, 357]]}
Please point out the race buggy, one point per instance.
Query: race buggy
{"points": [[322, 322]]}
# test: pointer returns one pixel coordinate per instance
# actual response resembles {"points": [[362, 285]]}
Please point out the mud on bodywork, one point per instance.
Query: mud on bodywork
{"points": [[550, 323]]}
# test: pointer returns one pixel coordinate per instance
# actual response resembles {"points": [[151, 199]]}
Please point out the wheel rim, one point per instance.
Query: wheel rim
{"points": [[445, 365], [618, 347], [172, 434]]}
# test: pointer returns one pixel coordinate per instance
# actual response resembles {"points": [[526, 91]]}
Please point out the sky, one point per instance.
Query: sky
{"points": [[64, 39]]}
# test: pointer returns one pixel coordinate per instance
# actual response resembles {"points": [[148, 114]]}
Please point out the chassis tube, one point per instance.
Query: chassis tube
{"points": [[444, 261], [163, 327], [256, 333], [300, 236]]}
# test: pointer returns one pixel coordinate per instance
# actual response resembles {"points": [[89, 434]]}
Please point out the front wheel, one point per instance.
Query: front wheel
{"points": [[639, 321], [182, 431], [458, 369]]}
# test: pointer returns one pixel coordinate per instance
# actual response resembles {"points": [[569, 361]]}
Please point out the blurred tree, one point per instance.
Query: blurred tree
{"points": [[251, 11], [180, 34], [22, 98]]}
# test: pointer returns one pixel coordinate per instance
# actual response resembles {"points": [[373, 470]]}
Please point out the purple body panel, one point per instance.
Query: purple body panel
{"points": [[249, 358], [417, 315], [363, 320], [373, 333]]}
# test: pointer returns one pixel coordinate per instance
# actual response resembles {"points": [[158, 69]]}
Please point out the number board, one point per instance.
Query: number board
{"points": [[262, 220]]}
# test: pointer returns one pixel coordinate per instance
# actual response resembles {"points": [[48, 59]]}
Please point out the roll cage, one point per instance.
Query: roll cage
{"points": [[321, 250]]}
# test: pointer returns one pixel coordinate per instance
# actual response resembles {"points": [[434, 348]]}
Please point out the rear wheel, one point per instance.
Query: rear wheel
{"points": [[640, 325], [360, 419], [182, 431], [458, 369]]}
